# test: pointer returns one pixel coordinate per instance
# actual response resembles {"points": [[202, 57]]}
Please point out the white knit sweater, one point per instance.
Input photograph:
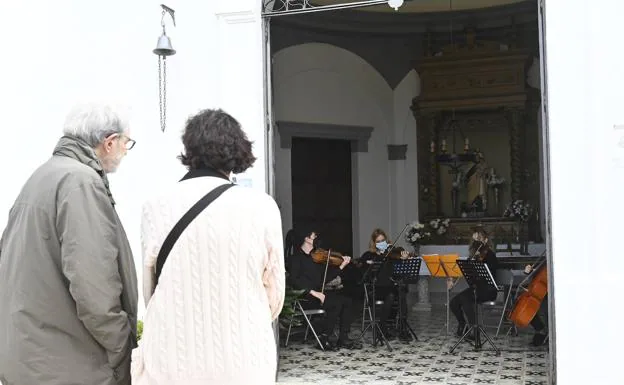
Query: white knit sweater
{"points": [[209, 319]]}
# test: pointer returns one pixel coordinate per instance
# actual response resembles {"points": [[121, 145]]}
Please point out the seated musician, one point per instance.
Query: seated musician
{"points": [[385, 288], [541, 331], [306, 274], [463, 302]]}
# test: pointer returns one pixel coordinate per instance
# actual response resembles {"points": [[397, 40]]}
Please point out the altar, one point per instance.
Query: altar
{"points": [[478, 142]]}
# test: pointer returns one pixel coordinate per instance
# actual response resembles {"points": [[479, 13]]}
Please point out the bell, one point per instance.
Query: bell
{"points": [[164, 48]]}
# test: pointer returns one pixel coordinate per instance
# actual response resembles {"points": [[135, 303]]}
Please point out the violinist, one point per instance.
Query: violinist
{"points": [[541, 331], [385, 288], [308, 275], [463, 302]]}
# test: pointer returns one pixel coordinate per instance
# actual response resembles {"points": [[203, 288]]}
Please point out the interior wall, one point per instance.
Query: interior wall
{"points": [[324, 84], [404, 196]]}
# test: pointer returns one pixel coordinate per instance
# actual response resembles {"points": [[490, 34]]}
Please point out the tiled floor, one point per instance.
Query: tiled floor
{"points": [[426, 361]]}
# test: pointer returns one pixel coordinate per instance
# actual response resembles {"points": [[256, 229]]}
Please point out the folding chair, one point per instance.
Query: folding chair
{"points": [[307, 315]]}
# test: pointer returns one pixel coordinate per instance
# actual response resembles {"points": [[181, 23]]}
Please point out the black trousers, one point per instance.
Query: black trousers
{"points": [[389, 294], [537, 322], [338, 307], [463, 303]]}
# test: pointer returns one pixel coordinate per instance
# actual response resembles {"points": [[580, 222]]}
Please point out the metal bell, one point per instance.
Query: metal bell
{"points": [[164, 48]]}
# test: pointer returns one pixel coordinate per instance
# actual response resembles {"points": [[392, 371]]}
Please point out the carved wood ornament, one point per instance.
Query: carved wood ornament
{"points": [[479, 83]]}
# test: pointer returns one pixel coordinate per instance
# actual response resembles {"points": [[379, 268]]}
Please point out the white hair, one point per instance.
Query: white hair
{"points": [[94, 122]]}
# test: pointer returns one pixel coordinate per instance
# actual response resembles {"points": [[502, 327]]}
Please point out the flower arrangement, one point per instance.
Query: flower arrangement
{"points": [[417, 233], [440, 225], [519, 209]]}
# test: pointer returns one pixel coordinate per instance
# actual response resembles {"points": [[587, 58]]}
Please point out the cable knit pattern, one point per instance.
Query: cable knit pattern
{"points": [[209, 319]]}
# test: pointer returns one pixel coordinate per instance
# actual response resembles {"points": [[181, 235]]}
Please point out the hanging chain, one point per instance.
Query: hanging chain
{"points": [[162, 90]]}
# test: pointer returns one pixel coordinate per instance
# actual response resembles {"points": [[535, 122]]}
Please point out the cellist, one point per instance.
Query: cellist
{"points": [[306, 274], [541, 331], [463, 302]]}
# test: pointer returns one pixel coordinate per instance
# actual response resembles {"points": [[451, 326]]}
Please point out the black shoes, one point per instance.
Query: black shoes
{"points": [[539, 339], [328, 346], [347, 343]]}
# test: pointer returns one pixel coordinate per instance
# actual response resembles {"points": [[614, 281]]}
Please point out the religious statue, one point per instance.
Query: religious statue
{"points": [[476, 184]]}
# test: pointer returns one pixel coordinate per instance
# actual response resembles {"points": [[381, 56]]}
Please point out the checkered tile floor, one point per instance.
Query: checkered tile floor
{"points": [[426, 361]]}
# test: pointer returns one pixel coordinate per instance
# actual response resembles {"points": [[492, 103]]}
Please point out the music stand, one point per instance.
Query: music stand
{"points": [[444, 266], [405, 271], [370, 278], [476, 273]]}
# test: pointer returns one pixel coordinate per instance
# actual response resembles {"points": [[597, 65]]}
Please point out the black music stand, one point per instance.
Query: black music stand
{"points": [[475, 273], [370, 278], [405, 272]]}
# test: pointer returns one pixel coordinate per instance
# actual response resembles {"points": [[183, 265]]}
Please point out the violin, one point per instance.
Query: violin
{"points": [[396, 251], [321, 255], [528, 303]]}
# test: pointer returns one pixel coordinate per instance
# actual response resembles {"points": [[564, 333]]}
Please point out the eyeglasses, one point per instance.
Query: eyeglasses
{"points": [[129, 143]]}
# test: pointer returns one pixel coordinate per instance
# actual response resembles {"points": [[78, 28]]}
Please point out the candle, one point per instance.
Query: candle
{"points": [[466, 144], [432, 146], [444, 145]]}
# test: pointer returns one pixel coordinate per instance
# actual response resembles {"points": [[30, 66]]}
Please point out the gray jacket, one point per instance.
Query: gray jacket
{"points": [[68, 287]]}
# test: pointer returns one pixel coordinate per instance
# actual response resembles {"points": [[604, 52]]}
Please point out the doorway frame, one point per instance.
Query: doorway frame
{"points": [[552, 337], [357, 135], [271, 166]]}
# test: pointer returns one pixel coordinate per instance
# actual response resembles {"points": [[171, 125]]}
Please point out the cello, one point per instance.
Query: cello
{"points": [[528, 303]]}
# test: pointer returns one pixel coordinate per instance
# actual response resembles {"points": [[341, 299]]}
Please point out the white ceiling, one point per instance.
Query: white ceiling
{"points": [[422, 6]]}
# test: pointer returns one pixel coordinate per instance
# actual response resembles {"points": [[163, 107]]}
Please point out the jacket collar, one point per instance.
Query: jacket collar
{"points": [[197, 173], [79, 150]]}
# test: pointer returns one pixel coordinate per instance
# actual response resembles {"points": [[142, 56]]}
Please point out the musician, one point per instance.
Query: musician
{"points": [[305, 274], [385, 289], [463, 302], [541, 331]]}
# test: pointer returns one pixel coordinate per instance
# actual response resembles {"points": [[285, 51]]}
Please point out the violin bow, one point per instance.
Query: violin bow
{"points": [[326, 266]]}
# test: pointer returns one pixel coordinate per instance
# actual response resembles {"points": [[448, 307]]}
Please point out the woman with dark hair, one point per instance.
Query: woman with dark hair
{"points": [[307, 275], [209, 313], [463, 303]]}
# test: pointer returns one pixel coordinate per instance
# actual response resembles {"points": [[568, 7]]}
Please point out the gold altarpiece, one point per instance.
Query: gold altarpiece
{"points": [[479, 84]]}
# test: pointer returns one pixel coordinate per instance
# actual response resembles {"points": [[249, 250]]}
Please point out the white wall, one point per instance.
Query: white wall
{"points": [[58, 53], [321, 83], [584, 86], [404, 191]]}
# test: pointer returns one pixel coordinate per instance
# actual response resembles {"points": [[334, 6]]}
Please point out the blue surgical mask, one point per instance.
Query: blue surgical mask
{"points": [[381, 246]]}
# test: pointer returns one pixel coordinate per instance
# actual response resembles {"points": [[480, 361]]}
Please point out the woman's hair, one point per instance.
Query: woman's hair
{"points": [[214, 139], [483, 235], [372, 247], [289, 243]]}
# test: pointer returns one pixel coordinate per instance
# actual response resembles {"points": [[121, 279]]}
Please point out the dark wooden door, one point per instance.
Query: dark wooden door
{"points": [[321, 190]]}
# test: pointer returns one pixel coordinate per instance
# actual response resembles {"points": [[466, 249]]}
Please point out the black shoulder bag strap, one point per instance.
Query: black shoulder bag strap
{"points": [[183, 223]]}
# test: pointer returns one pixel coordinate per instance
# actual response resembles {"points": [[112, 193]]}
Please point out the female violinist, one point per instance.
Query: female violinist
{"points": [[385, 289], [309, 273], [463, 302]]}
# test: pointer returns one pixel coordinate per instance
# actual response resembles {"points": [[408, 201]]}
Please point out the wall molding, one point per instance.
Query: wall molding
{"points": [[397, 151], [357, 135]]}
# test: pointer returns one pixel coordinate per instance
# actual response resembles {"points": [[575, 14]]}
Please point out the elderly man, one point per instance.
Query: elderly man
{"points": [[68, 289]]}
